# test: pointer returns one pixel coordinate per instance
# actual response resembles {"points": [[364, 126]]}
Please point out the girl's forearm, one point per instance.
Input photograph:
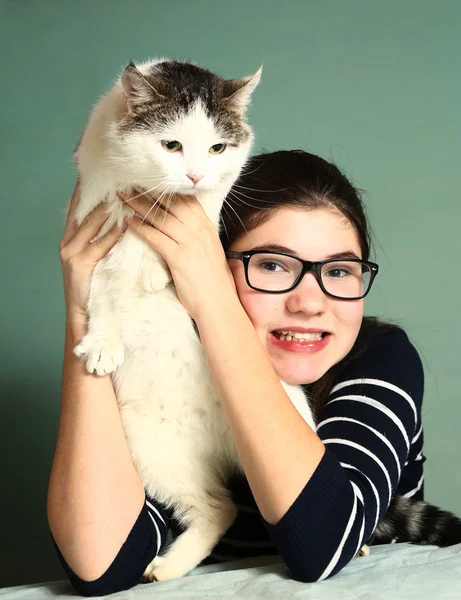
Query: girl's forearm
{"points": [[278, 450], [95, 493]]}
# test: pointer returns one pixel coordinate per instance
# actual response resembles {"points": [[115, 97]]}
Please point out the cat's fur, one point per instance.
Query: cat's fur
{"points": [[138, 331], [417, 522]]}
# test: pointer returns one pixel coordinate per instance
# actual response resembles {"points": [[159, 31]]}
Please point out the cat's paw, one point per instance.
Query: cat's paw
{"points": [[162, 569], [365, 551], [154, 277], [101, 355], [149, 574]]}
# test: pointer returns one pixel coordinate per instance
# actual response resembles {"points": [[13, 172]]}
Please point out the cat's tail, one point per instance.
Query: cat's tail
{"points": [[417, 522]]}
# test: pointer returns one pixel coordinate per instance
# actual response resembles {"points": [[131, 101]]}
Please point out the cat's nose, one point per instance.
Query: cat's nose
{"points": [[194, 177]]}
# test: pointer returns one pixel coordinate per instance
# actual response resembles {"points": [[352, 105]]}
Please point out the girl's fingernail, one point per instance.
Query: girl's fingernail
{"points": [[123, 196], [124, 226]]}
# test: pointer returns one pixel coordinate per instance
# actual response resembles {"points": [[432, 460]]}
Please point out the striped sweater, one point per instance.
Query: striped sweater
{"points": [[371, 428]]}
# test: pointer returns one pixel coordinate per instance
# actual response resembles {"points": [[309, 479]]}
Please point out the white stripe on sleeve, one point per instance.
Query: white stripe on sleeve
{"points": [[336, 556], [381, 383], [373, 487], [159, 539], [417, 435], [368, 453], [416, 459], [362, 528], [152, 507], [377, 433], [416, 489], [378, 406]]}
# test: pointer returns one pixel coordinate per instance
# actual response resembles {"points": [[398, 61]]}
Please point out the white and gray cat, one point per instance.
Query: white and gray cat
{"points": [[171, 127]]}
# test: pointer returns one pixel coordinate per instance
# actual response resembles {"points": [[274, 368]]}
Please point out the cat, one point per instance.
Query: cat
{"points": [[172, 127]]}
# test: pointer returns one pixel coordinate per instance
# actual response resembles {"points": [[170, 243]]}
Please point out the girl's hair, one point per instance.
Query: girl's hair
{"points": [[299, 180]]}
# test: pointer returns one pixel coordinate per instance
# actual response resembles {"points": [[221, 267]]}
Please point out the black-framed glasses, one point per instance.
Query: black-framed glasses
{"points": [[278, 272]]}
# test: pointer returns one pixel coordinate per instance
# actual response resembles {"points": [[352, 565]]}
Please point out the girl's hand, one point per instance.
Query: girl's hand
{"points": [[190, 244], [78, 256]]}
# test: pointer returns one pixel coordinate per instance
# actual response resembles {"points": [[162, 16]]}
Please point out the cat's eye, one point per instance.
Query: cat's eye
{"points": [[171, 145], [218, 148]]}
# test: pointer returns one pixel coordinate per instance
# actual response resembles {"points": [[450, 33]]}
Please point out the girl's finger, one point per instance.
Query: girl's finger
{"points": [[100, 247], [88, 229], [158, 240], [186, 209], [147, 205], [166, 216], [71, 224]]}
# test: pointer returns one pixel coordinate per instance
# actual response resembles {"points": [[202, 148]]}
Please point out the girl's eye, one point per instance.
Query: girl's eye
{"points": [[171, 145], [337, 273], [218, 148], [269, 266]]}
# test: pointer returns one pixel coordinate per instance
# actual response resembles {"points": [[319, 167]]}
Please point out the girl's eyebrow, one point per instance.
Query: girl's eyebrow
{"points": [[346, 254], [278, 248]]}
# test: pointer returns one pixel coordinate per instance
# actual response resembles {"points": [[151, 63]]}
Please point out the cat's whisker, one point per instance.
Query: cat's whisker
{"points": [[238, 200], [237, 193], [214, 188], [170, 197], [254, 170], [159, 203], [156, 202], [158, 187], [167, 204], [137, 178], [147, 192], [222, 220], [151, 191], [236, 214], [236, 185]]}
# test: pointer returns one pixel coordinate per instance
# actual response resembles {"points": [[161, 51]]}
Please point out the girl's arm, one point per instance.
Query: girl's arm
{"points": [[94, 494], [95, 497], [278, 450], [320, 495]]}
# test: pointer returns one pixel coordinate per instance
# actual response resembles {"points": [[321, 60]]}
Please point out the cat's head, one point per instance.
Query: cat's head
{"points": [[184, 128]]}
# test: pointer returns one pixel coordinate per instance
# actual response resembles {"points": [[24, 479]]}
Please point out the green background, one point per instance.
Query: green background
{"points": [[374, 86]]}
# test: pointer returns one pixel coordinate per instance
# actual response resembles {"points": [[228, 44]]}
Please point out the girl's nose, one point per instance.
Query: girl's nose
{"points": [[307, 297]]}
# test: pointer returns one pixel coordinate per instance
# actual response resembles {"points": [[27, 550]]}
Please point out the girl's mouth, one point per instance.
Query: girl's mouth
{"points": [[299, 337], [294, 341]]}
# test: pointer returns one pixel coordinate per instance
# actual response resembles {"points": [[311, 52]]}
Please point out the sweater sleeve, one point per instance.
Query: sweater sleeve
{"points": [[143, 543], [367, 426]]}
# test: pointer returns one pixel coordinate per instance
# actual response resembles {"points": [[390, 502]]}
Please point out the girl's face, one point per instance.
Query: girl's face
{"points": [[311, 235]]}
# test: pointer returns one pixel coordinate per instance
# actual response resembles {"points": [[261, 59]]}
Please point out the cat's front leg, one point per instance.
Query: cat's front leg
{"points": [[154, 274], [208, 523], [101, 348]]}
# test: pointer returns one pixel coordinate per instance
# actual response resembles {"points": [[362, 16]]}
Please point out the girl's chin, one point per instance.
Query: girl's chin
{"points": [[298, 376]]}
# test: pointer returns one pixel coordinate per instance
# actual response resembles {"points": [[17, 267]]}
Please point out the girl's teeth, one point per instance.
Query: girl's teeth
{"points": [[288, 336]]}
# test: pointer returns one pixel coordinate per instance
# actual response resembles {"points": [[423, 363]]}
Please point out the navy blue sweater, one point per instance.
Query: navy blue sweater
{"points": [[371, 428]]}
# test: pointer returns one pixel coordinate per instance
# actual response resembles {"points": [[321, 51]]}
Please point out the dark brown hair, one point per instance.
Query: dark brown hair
{"points": [[297, 179]]}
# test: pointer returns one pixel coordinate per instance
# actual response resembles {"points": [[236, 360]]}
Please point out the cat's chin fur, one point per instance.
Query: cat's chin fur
{"points": [[138, 331]]}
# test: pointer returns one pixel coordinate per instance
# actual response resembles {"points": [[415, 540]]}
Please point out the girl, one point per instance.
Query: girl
{"points": [[279, 296]]}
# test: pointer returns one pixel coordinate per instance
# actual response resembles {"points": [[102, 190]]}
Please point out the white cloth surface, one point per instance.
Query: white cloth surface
{"points": [[393, 571]]}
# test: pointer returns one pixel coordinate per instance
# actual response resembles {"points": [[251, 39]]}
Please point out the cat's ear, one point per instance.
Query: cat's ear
{"points": [[237, 92], [138, 89]]}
